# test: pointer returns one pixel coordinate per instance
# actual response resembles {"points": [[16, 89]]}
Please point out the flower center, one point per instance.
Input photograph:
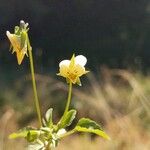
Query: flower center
{"points": [[72, 75]]}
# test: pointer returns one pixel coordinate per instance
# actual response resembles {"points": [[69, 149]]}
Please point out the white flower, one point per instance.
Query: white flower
{"points": [[73, 69]]}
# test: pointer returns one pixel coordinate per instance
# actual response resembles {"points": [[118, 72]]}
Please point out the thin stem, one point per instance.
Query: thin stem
{"points": [[37, 105], [69, 98], [67, 133], [67, 104]]}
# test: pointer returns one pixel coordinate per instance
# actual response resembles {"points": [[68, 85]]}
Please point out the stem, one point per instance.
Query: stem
{"points": [[69, 98], [37, 105], [67, 104], [67, 133]]}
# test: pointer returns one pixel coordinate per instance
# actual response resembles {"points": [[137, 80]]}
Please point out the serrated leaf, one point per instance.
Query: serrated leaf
{"points": [[48, 117], [90, 126], [67, 119]]}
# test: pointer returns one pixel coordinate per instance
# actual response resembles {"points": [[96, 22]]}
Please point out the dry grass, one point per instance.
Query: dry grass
{"points": [[119, 100]]}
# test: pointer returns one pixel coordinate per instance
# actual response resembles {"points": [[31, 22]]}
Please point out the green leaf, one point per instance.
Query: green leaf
{"points": [[87, 125], [20, 134], [48, 117], [67, 119], [23, 133]]}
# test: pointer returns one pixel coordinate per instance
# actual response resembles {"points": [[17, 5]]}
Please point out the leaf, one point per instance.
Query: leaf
{"points": [[87, 125], [48, 117], [67, 119], [23, 133], [20, 134], [44, 122]]}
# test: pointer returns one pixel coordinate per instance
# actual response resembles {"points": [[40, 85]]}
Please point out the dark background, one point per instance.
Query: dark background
{"points": [[111, 32]]}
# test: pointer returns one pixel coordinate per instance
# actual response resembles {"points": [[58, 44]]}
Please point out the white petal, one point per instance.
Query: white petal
{"points": [[64, 62], [81, 60]]}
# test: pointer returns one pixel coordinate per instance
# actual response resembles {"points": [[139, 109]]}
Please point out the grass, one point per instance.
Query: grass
{"points": [[118, 99]]}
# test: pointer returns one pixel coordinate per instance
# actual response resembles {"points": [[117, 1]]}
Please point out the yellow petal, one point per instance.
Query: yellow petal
{"points": [[79, 70], [63, 71], [15, 40], [20, 56]]}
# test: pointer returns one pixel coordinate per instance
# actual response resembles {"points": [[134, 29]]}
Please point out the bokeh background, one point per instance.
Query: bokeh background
{"points": [[114, 35]]}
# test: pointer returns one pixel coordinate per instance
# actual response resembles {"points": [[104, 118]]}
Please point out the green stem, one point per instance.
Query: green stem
{"points": [[69, 98], [67, 104], [37, 105], [67, 133]]}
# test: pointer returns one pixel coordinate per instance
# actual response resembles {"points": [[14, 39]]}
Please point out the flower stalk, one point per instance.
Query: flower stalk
{"points": [[36, 100], [68, 99], [20, 44]]}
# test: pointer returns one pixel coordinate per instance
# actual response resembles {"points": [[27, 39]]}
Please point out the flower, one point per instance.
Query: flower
{"points": [[16, 45], [19, 41], [73, 69]]}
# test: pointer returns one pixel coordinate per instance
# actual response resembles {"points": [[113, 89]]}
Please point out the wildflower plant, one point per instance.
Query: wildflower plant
{"points": [[48, 134]]}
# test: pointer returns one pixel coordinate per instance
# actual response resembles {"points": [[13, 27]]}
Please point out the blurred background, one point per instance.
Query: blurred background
{"points": [[114, 36]]}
